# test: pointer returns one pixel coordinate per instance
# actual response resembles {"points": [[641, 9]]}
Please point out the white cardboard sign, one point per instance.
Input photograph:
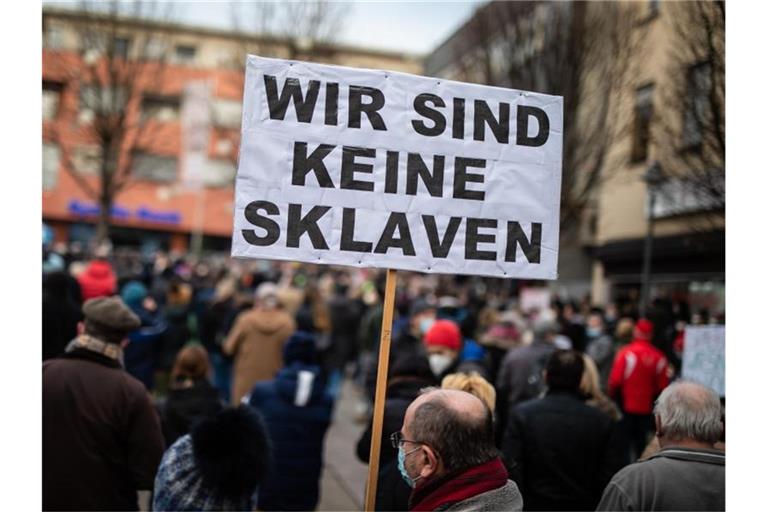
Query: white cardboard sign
{"points": [[380, 169], [704, 356]]}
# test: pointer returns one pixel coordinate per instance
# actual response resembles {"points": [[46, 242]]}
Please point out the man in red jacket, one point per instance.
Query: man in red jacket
{"points": [[638, 375], [98, 279]]}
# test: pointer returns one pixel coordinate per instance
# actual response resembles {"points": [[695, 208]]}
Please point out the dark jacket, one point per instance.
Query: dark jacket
{"points": [[297, 433], [61, 313], [565, 450], [672, 479], [101, 435], [185, 406]]}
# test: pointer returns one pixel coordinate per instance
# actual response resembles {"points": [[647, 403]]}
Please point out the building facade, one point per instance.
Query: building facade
{"points": [[176, 114], [643, 84]]}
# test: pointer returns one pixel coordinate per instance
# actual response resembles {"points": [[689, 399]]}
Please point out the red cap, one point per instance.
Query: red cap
{"points": [[643, 329], [444, 333]]}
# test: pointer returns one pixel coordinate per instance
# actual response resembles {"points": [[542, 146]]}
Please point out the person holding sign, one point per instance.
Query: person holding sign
{"points": [[447, 455]]}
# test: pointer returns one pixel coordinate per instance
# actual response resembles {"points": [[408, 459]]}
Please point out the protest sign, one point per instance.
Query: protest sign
{"points": [[534, 299], [704, 356], [390, 170]]}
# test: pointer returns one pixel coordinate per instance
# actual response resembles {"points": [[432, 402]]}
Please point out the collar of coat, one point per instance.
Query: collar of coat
{"points": [[457, 487], [88, 347], [691, 454]]}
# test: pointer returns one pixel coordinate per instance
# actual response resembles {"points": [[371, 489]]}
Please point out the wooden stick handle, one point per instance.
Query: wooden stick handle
{"points": [[381, 389]]}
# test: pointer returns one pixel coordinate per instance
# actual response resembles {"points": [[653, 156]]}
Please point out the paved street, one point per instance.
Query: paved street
{"points": [[344, 476]]}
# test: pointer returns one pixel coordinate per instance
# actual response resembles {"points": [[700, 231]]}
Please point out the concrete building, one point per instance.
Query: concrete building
{"points": [[164, 200], [665, 106]]}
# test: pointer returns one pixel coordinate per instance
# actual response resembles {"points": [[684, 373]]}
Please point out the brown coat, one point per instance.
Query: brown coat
{"points": [[101, 435], [256, 340]]}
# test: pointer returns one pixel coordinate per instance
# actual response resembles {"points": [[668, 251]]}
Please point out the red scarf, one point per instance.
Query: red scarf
{"points": [[459, 487]]}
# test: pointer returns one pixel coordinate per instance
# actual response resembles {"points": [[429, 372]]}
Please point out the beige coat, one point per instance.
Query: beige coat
{"points": [[256, 340]]}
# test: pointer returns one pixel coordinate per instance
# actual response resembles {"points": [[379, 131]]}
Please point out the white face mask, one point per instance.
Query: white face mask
{"points": [[439, 363]]}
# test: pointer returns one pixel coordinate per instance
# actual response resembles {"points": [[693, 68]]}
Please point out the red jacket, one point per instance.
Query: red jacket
{"points": [[97, 280], [638, 375]]}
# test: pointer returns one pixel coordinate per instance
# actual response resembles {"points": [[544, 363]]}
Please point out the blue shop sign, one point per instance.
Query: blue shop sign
{"points": [[118, 212]]}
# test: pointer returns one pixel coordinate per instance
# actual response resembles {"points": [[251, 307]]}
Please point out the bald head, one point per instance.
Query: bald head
{"points": [[687, 411], [456, 424]]}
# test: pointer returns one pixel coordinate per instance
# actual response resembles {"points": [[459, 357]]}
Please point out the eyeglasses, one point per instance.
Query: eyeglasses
{"points": [[397, 440]]}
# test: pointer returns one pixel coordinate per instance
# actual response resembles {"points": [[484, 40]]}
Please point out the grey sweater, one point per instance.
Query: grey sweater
{"points": [[673, 479], [506, 498]]}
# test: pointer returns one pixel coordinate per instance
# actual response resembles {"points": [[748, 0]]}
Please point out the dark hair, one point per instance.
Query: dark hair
{"points": [[232, 451], [564, 369], [191, 363], [461, 440]]}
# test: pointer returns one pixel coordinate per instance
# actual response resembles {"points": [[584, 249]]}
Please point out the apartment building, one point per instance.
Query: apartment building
{"points": [[643, 84], [179, 93]]}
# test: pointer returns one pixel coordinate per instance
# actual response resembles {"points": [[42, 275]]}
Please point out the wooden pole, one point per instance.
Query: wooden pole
{"points": [[381, 389]]}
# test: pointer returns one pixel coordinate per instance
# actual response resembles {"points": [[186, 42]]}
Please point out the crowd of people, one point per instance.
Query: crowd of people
{"points": [[210, 383]]}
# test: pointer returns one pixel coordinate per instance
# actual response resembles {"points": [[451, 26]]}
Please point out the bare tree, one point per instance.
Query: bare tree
{"points": [[690, 130], [304, 27], [113, 70], [578, 50]]}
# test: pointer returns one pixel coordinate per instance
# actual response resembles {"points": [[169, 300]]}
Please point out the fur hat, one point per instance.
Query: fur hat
{"points": [[232, 450], [444, 333], [218, 466]]}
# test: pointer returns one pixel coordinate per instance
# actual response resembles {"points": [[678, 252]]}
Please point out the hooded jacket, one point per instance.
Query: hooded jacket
{"points": [[638, 375], [97, 280], [256, 341], [297, 411]]}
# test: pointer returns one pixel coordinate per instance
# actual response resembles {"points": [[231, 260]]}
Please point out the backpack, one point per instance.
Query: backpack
{"points": [[534, 383]]}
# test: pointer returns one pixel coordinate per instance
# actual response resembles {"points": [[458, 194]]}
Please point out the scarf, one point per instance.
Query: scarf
{"points": [[459, 486], [89, 343]]}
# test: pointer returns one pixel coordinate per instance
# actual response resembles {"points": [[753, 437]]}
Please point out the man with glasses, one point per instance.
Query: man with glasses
{"points": [[447, 455]]}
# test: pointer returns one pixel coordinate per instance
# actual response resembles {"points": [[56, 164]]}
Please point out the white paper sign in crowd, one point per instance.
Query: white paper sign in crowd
{"points": [[704, 356], [390, 170]]}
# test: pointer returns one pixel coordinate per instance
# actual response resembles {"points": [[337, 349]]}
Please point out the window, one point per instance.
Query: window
{"points": [[653, 8], [227, 113], [54, 38], [697, 106], [153, 167], [121, 46], [155, 49], [223, 146], [185, 54], [641, 133], [51, 99], [219, 173], [100, 100], [87, 159], [160, 108], [50, 165]]}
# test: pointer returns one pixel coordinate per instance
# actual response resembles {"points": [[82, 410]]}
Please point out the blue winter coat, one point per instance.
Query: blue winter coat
{"points": [[297, 411]]}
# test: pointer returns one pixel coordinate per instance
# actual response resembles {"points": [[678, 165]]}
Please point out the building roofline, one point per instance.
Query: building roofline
{"points": [[171, 26]]}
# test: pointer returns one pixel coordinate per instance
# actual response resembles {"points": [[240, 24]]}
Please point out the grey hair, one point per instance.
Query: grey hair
{"points": [[689, 411]]}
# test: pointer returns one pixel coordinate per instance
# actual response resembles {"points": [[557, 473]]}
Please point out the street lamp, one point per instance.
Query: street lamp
{"points": [[653, 178]]}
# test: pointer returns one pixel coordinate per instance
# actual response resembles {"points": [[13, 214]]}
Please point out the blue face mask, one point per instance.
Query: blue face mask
{"points": [[401, 454], [593, 332]]}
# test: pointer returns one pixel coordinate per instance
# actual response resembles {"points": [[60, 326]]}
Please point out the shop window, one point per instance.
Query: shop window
{"points": [[641, 133], [148, 167]]}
